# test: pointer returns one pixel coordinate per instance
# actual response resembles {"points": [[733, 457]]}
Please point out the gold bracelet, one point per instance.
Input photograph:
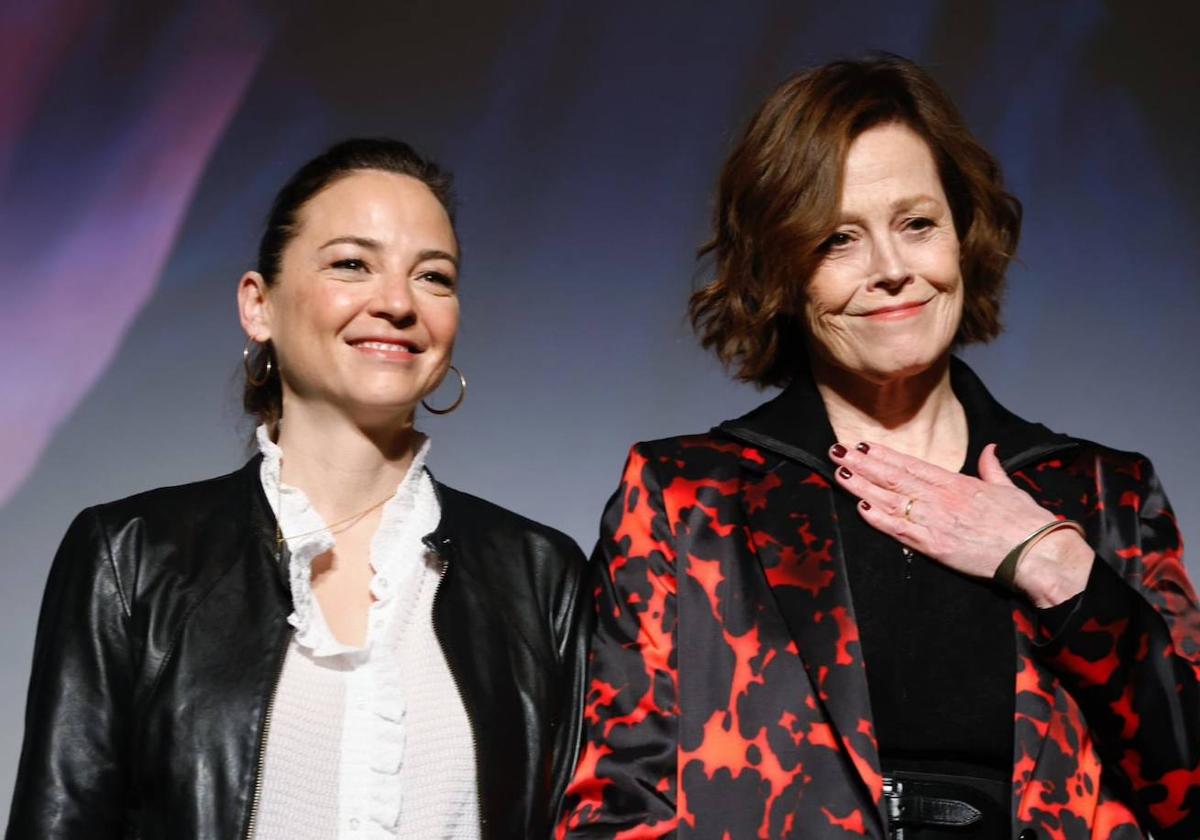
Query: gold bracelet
{"points": [[1006, 572]]}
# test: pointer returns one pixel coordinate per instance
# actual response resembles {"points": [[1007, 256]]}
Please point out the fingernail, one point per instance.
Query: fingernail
{"points": [[838, 450], [864, 504], [863, 448], [844, 473]]}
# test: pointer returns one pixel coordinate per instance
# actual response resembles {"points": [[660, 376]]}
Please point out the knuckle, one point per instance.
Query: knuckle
{"points": [[938, 546]]}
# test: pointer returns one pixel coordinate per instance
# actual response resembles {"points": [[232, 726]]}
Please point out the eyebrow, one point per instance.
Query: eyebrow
{"points": [[361, 241], [899, 205], [376, 245], [437, 255], [912, 201]]}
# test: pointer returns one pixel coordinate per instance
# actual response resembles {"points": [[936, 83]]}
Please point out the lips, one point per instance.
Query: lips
{"points": [[386, 348], [896, 311]]}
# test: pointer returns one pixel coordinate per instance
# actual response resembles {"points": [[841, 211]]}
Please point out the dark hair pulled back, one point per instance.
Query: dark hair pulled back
{"points": [[262, 395]]}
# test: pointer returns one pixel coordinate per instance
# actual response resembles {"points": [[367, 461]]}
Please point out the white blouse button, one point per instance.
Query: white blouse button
{"points": [[354, 823]]}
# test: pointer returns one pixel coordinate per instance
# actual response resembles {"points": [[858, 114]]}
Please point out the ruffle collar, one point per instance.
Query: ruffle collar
{"points": [[406, 517]]}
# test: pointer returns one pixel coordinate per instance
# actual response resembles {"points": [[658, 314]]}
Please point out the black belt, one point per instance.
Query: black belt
{"points": [[931, 805]]}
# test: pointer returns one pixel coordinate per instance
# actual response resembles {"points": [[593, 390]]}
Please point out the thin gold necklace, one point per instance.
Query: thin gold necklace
{"points": [[335, 528]]}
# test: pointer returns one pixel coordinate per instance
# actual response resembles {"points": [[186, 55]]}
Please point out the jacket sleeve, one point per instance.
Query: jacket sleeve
{"points": [[572, 632], [625, 781], [71, 778], [1130, 656]]}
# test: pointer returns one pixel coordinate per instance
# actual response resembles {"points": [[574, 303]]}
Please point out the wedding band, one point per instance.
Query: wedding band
{"points": [[908, 508]]}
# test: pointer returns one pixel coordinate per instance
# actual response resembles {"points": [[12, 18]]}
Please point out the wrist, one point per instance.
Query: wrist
{"points": [[1055, 570]]}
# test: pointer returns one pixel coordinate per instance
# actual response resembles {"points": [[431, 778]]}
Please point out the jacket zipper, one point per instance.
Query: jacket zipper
{"points": [[457, 685], [256, 797]]}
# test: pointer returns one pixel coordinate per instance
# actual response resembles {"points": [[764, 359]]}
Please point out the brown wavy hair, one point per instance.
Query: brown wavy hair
{"points": [[778, 197]]}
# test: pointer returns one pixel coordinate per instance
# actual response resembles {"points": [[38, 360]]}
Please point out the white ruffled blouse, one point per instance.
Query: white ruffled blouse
{"points": [[369, 742]]}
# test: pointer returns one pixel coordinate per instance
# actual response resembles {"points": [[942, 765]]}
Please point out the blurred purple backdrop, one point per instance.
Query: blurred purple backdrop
{"points": [[140, 145]]}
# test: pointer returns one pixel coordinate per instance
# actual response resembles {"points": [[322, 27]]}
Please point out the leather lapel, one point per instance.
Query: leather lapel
{"points": [[262, 526]]}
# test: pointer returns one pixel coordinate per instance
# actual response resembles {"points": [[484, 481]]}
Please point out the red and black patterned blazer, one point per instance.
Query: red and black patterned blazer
{"points": [[709, 715]]}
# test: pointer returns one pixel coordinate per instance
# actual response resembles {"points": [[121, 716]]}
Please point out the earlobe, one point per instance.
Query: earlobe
{"points": [[253, 308]]}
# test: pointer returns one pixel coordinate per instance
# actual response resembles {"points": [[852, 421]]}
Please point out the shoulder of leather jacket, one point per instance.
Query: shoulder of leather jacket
{"points": [[469, 518], [512, 557], [153, 537]]}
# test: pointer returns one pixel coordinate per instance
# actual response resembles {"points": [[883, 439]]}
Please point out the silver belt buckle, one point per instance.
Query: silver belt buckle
{"points": [[893, 790]]}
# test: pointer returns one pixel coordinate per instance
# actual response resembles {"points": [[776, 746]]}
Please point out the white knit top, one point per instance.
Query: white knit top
{"points": [[373, 742]]}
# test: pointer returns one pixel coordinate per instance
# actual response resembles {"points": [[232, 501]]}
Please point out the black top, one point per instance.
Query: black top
{"points": [[939, 646], [939, 649]]}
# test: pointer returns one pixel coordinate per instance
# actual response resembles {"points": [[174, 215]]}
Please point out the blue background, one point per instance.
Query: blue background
{"points": [[141, 145]]}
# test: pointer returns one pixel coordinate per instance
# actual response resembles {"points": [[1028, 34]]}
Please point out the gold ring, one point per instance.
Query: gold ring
{"points": [[908, 508]]}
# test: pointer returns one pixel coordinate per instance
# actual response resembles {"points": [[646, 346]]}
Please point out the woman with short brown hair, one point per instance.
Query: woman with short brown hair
{"points": [[881, 604], [779, 195]]}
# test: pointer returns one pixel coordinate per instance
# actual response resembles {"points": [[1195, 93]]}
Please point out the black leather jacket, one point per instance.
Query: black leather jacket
{"points": [[162, 635]]}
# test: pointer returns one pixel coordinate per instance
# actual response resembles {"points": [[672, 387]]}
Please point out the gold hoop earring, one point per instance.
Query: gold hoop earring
{"points": [[462, 393], [256, 382]]}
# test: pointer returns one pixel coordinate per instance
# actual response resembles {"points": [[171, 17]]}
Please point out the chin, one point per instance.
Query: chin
{"points": [[382, 409], [384, 392], [884, 368]]}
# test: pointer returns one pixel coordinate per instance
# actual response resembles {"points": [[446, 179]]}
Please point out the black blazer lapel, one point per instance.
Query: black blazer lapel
{"points": [[795, 536], [800, 549]]}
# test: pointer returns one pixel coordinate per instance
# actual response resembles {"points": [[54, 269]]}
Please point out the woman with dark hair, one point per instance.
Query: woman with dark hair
{"points": [[327, 642], [881, 604]]}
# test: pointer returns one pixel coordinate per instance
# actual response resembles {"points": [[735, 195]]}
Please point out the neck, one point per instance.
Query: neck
{"points": [[341, 466], [917, 415]]}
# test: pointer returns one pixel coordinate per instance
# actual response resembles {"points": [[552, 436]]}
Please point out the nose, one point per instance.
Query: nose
{"points": [[889, 269], [393, 300]]}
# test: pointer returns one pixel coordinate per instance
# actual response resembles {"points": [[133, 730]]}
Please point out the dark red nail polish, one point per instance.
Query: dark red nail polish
{"points": [[844, 473], [838, 450], [863, 448], [864, 504]]}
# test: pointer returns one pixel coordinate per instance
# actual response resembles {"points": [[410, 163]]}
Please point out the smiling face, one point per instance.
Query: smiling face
{"points": [[886, 300], [364, 311]]}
